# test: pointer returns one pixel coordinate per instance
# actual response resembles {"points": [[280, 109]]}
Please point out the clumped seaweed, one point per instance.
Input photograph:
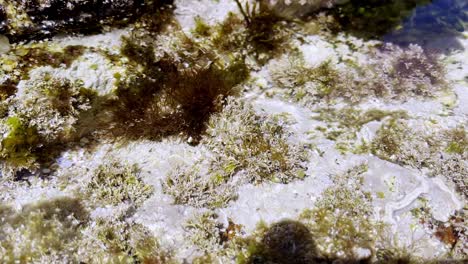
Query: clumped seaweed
{"points": [[114, 183], [256, 144], [342, 219], [44, 231], [344, 124], [266, 32], [204, 232], [306, 83], [61, 229], [457, 140], [17, 63], [390, 73], [40, 118], [117, 241], [437, 150], [190, 185], [175, 92], [247, 147], [257, 32]]}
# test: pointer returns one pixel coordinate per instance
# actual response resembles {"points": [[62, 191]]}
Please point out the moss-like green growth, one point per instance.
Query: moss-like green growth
{"points": [[204, 232], [114, 183], [344, 124], [201, 28], [22, 58], [390, 139], [61, 229], [122, 242], [265, 30], [350, 117], [326, 78], [252, 146], [258, 33], [390, 73], [254, 143], [421, 148], [41, 118], [17, 147], [196, 186], [43, 231], [457, 141], [307, 84], [342, 220]]}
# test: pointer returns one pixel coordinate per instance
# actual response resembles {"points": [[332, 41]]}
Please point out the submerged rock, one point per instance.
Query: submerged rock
{"points": [[299, 8], [35, 19]]}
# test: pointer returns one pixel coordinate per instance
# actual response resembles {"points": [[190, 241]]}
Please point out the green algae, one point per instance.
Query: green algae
{"points": [[202, 29], [343, 125], [342, 218], [116, 183], [42, 230], [40, 121], [23, 58], [204, 231], [61, 229], [246, 144], [18, 146], [124, 242], [389, 139], [458, 141]]}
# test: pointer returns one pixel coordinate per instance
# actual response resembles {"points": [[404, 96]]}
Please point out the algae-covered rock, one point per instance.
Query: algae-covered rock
{"points": [[33, 19]]}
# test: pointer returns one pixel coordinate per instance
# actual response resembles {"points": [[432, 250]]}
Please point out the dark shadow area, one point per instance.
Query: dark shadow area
{"points": [[434, 24], [291, 242], [84, 17], [284, 242]]}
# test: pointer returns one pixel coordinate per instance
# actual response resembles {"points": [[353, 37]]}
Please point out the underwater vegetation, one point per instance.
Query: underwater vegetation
{"points": [[168, 85], [159, 95], [174, 93], [20, 59], [390, 73], [343, 125], [114, 183], [338, 229], [257, 32], [41, 230], [342, 218], [40, 116], [61, 229], [245, 147], [442, 151]]}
